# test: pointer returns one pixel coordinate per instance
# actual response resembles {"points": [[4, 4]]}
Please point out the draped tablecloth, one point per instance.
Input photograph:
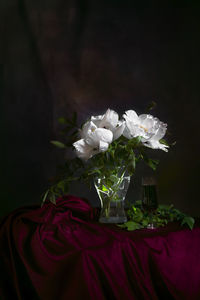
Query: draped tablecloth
{"points": [[62, 252]]}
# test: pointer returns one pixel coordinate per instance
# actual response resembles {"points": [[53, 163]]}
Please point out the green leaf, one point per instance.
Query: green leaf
{"points": [[112, 152], [62, 120], [104, 189], [161, 216], [44, 197], [58, 144], [152, 163], [151, 106], [164, 206], [114, 178], [164, 142], [131, 225], [135, 141], [52, 198], [189, 221], [138, 215], [145, 222], [173, 144], [138, 203]]}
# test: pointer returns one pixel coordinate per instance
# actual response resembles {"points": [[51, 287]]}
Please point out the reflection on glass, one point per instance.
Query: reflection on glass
{"points": [[149, 198]]}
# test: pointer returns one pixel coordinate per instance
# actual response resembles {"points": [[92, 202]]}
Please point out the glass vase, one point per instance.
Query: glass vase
{"points": [[111, 189]]}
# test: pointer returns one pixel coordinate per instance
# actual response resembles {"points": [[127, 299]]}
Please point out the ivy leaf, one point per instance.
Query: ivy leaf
{"points": [[131, 225], [145, 222], [138, 218], [189, 221], [165, 206], [152, 163], [58, 144], [138, 215]]}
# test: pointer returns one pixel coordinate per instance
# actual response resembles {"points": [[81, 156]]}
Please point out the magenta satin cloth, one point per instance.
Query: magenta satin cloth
{"points": [[62, 252]]}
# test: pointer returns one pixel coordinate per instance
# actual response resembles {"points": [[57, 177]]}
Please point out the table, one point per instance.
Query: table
{"points": [[62, 252]]}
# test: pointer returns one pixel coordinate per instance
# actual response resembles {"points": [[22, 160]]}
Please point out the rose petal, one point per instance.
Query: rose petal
{"points": [[103, 134], [83, 150], [147, 121], [156, 145], [88, 127], [134, 130], [160, 132], [97, 119], [127, 133], [103, 146], [132, 116], [118, 130], [100, 134], [110, 120]]}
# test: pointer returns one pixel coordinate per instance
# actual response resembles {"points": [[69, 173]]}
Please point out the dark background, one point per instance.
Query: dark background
{"points": [[61, 56]]}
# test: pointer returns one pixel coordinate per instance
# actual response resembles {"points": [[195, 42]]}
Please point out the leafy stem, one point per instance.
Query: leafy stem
{"points": [[139, 218]]}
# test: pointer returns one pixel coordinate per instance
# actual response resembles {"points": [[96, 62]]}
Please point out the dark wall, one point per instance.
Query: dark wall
{"points": [[59, 56]]}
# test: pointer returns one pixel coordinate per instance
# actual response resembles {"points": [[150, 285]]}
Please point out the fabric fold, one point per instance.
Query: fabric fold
{"points": [[61, 252]]}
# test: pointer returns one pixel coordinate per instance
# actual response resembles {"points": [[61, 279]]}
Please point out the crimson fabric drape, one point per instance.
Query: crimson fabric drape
{"points": [[62, 252]]}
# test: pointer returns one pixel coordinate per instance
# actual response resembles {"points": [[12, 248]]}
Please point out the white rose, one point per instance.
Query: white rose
{"points": [[154, 140], [151, 129], [110, 120], [94, 140]]}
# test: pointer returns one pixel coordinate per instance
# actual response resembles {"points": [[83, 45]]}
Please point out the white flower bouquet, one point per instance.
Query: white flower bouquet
{"points": [[101, 131], [108, 148]]}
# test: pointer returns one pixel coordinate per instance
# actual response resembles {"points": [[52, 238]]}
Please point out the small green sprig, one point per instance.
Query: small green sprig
{"points": [[139, 218]]}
